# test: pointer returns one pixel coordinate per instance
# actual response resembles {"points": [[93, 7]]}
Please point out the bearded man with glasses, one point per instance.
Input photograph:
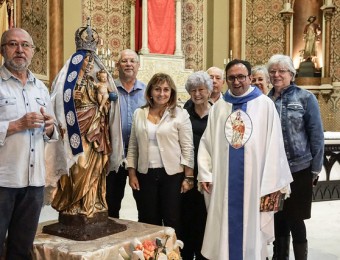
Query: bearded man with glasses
{"points": [[234, 173], [27, 121]]}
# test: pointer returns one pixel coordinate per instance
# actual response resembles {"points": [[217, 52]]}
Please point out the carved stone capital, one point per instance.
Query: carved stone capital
{"points": [[334, 98], [326, 94], [286, 17], [328, 10], [328, 14]]}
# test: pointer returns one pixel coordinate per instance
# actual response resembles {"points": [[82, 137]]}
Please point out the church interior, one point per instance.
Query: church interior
{"points": [[205, 33]]}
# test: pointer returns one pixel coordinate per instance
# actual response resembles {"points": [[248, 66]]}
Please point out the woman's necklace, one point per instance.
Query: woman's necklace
{"points": [[154, 117]]}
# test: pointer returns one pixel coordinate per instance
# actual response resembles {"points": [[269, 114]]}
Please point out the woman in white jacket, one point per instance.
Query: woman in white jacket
{"points": [[161, 154]]}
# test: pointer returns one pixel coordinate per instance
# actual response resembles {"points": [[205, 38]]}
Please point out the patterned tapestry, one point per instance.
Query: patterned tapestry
{"points": [[264, 30], [335, 43], [111, 19], [192, 34], [34, 21]]}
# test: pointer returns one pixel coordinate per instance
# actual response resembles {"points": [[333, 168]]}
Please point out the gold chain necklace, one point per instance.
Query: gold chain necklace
{"points": [[154, 119]]}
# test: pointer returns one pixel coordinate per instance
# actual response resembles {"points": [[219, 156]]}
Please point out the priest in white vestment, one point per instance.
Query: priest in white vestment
{"points": [[240, 159]]}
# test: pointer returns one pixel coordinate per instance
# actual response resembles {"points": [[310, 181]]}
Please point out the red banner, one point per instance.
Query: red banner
{"points": [[161, 26]]}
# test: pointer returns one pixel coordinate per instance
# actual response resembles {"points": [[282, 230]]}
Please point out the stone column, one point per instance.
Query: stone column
{"points": [[56, 50], [18, 10], [132, 25], [178, 50], [145, 47], [286, 16], [235, 28], [328, 10]]}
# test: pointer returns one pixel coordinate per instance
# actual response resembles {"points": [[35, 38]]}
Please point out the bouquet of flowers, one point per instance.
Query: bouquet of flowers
{"points": [[157, 249]]}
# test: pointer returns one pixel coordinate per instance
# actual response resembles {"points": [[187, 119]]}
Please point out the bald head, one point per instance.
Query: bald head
{"points": [[216, 74], [5, 36]]}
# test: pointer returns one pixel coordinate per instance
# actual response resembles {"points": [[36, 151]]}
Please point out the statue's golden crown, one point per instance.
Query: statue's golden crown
{"points": [[86, 38]]}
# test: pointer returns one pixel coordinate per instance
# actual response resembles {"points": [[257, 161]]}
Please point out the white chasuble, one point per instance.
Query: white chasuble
{"points": [[257, 130]]}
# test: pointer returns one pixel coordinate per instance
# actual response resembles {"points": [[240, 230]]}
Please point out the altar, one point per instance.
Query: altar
{"points": [[47, 246], [328, 187]]}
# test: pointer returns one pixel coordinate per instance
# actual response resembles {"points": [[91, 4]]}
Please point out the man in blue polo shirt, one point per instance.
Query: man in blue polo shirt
{"points": [[131, 97]]}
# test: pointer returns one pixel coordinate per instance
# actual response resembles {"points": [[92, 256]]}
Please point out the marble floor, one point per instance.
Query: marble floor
{"points": [[323, 229]]}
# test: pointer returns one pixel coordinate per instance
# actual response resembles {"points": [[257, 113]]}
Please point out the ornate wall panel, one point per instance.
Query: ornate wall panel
{"points": [[264, 30], [335, 43], [192, 34], [34, 20], [111, 18], [330, 110]]}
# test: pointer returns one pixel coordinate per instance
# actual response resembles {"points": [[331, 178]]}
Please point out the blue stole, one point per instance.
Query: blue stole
{"points": [[73, 130], [236, 183]]}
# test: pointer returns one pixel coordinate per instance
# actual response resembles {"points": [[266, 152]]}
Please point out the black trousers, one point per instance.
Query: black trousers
{"points": [[193, 219], [115, 188], [19, 215], [296, 208], [159, 198]]}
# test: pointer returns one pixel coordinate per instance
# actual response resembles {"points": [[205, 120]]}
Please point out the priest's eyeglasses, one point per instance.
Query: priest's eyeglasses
{"points": [[240, 78], [15, 45]]}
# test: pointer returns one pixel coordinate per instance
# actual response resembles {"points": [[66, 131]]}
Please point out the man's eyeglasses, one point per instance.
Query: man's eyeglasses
{"points": [[125, 61], [240, 78], [281, 72], [14, 45]]}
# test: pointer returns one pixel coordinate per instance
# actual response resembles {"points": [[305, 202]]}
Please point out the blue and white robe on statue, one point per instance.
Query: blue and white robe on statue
{"points": [[266, 170], [59, 156]]}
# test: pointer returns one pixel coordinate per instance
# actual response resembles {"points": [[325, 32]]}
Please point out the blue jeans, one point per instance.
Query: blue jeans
{"points": [[19, 216]]}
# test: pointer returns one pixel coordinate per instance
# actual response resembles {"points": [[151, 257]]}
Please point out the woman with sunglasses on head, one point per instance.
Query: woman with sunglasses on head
{"points": [[304, 143]]}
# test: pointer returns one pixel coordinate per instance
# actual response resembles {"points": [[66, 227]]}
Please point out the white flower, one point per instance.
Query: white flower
{"points": [[179, 243], [138, 255], [162, 256], [123, 253], [169, 231], [136, 242]]}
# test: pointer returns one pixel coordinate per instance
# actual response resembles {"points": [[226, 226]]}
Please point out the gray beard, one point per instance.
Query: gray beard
{"points": [[16, 67]]}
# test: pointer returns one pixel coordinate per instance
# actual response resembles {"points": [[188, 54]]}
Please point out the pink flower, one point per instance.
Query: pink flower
{"points": [[149, 249]]}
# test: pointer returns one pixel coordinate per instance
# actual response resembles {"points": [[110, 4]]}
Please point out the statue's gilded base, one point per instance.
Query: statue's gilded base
{"points": [[82, 228]]}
